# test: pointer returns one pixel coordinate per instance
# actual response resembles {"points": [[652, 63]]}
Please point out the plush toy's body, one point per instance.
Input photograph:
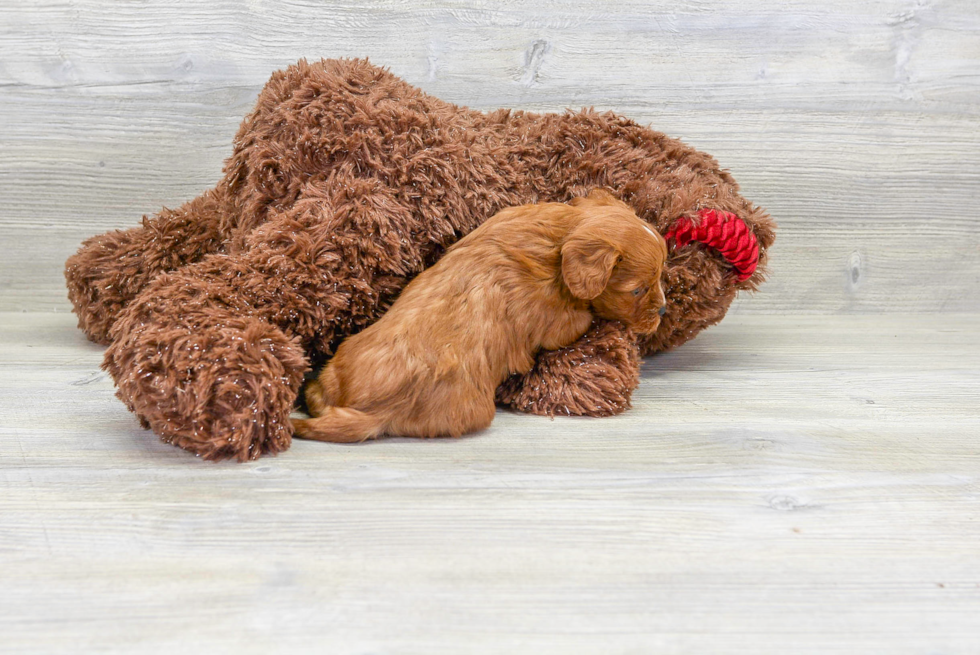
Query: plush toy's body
{"points": [[346, 182]]}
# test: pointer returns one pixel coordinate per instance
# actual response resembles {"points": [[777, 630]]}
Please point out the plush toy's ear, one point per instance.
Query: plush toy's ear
{"points": [[586, 264]]}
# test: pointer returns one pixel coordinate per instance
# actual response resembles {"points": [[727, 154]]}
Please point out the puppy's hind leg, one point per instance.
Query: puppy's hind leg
{"points": [[339, 425], [322, 392]]}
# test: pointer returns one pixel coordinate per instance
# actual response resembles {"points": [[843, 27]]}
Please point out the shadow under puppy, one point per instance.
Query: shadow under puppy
{"points": [[530, 277]]}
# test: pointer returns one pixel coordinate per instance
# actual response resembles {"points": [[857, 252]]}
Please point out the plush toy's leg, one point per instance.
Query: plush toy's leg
{"points": [[212, 356], [216, 383], [200, 358], [595, 376], [109, 270]]}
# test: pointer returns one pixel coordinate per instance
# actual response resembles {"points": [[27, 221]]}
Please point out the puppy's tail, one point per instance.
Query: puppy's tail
{"points": [[340, 425]]}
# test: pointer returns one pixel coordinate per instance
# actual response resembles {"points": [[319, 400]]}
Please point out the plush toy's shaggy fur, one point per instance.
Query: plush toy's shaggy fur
{"points": [[344, 183]]}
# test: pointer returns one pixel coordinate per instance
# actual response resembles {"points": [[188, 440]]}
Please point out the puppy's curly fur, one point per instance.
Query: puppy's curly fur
{"points": [[345, 183], [530, 277]]}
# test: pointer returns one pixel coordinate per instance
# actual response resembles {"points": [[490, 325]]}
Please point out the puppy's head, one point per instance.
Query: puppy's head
{"points": [[613, 259]]}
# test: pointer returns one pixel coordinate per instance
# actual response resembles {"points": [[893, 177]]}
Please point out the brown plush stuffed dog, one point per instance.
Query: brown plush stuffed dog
{"points": [[345, 183], [530, 277]]}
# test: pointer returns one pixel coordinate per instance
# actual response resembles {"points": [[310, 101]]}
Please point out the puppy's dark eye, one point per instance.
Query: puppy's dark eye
{"points": [[639, 291]]}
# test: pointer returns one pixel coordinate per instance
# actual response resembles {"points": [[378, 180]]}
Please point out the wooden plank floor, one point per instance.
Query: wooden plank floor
{"points": [[783, 484]]}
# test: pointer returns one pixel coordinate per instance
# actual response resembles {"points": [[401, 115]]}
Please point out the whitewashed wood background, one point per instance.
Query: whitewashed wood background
{"points": [[856, 123], [783, 484]]}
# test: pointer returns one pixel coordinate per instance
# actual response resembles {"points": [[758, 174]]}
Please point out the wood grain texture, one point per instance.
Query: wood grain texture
{"points": [[856, 124], [787, 482], [783, 484]]}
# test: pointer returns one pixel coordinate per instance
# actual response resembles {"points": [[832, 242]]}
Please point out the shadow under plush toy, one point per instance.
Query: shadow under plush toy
{"points": [[345, 182]]}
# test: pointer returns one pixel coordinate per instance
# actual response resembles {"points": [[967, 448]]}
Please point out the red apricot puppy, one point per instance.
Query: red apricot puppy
{"points": [[530, 277]]}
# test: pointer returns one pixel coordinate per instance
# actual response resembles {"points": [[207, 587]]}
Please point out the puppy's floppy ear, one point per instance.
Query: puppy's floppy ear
{"points": [[586, 264]]}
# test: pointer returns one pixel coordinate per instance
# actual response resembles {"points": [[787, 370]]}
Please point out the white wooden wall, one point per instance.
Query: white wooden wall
{"points": [[783, 484], [856, 123]]}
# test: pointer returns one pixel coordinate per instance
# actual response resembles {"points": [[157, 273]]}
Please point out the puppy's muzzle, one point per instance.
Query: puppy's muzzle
{"points": [[650, 325]]}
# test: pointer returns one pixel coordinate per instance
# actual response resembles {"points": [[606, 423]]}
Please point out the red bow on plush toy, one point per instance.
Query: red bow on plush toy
{"points": [[344, 183], [724, 232]]}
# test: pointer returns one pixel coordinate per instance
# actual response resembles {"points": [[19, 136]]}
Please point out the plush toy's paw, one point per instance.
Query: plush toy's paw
{"points": [[595, 376], [217, 385], [111, 269], [103, 276]]}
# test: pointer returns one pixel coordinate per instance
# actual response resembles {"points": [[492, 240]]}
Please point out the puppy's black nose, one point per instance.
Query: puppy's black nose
{"points": [[662, 310]]}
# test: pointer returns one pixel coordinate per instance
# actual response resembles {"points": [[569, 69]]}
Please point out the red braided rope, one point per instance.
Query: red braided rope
{"points": [[723, 231]]}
